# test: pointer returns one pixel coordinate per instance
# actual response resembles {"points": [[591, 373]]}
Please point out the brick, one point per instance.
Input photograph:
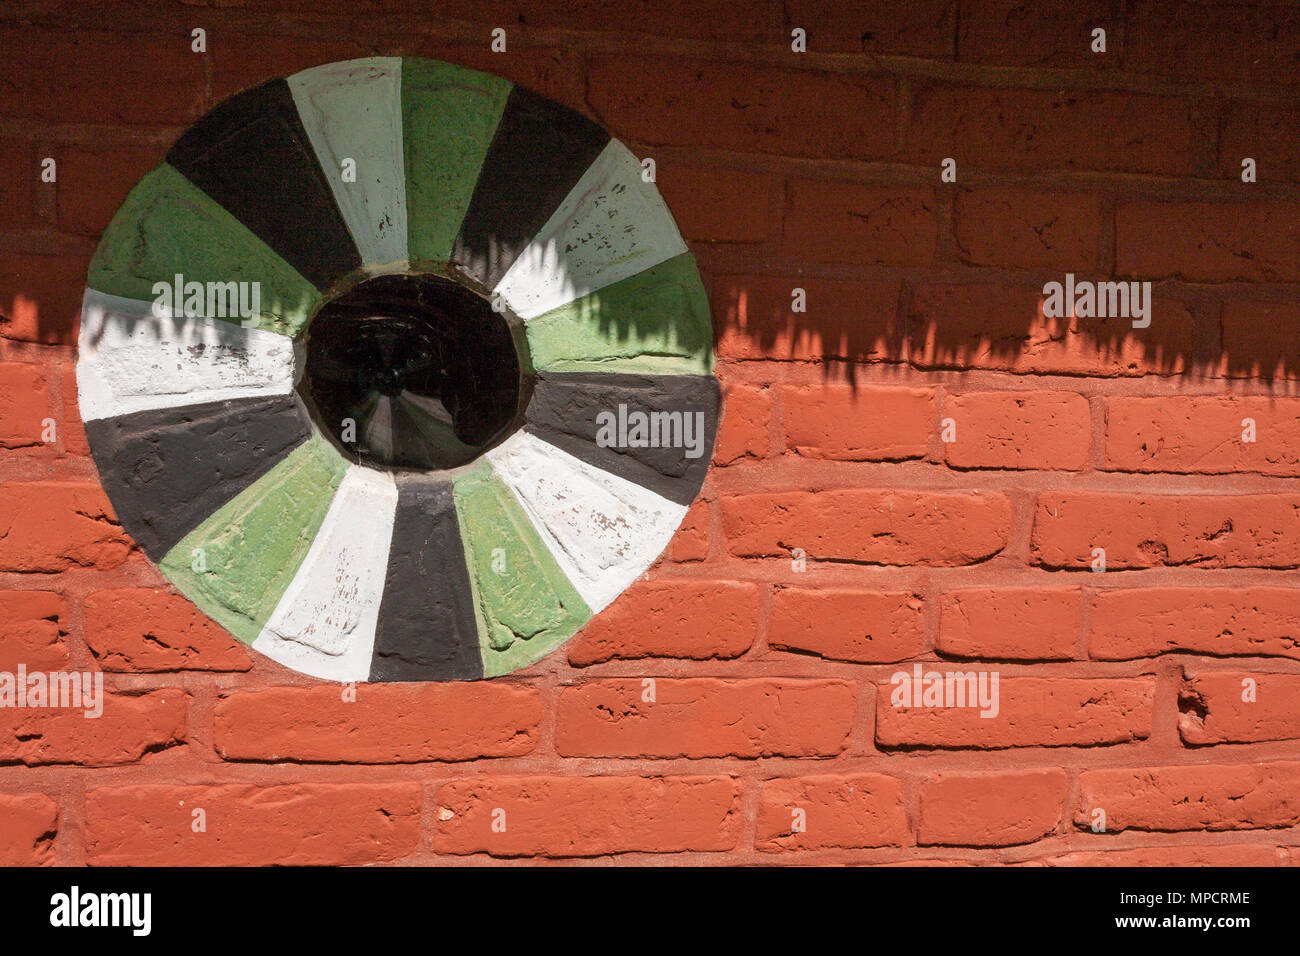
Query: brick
{"points": [[689, 19], [1031, 712], [867, 627], [29, 823], [846, 320], [130, 727], [1015, 624], [704, 717], [72, 433], [385, 723], [1254, 43], [990, 809], [1047, 33], [857, 224], [1199, 798], [56, 525], [1266, 134], [691, 543], [1028, 229], [1149, 531], [1222, 622], [1003, 328], [301, 824], [40, 297], [854, 423], [94, 180], [1255, 241], [1048, 430], [24, 404], [1203, 434], [149, 630], [59, 75], [834, 811], [716, 205], [869, 525], [696, 620], [19, 184], [923, 28], [743, 107], [1259, 854], [1050, 129], [30, 631], [1213, 711], [243, 60], [588, 816], [743, 432], [1251, 345]]}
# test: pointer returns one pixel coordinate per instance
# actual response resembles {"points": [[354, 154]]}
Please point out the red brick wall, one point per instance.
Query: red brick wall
{"points": [[1119, 690]]}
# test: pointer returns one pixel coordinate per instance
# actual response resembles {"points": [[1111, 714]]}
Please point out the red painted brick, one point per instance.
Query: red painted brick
{"points": [[857, 224], [1266, 134], [1259, 854], [301, 824], [131, 726], [689, 19], [848, 423], [704, 717], [1252, 43], [1148, 531], [744, 107], [1050, 129], [743, 432], [20, 182], [1016, 624], [588, 816], [242, 60], [1003, 328], [833, 811], [696, 620], [56, 525], [60, 75], [691, 543], [72, 432], [716, 205], [846, 320], [40, 297], [1028, 229], [152, 630], [1239, 707], [1256, 241], [1202, 798], [991, 809], [1221, 622], [1203, 434], [94, 180], [385, 723], [868, 627], [31, 632], [1251, 345], [1049, 430], [872, 526], [1032, 712], [1046, 33], [24, 404], [923, 28], [28, 825]]}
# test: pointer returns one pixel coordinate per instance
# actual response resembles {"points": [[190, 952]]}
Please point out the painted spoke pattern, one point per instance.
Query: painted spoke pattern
{"points": [[194, 346]]}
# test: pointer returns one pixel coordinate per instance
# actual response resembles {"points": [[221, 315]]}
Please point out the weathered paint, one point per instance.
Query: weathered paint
{"points": [[252, 155], [324, 624], [427, 627], [168, 227], [166, 470], [566, 410], [525, 605], [253, 546], [611, 226], [449, 116], [539, 152], [603, 530], [353, 110], [129, 360], [656, 323]]}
